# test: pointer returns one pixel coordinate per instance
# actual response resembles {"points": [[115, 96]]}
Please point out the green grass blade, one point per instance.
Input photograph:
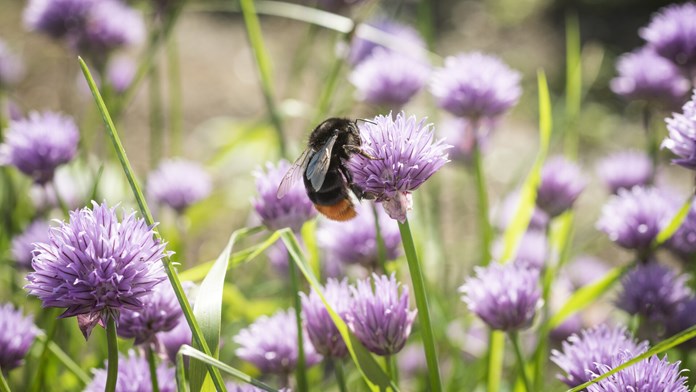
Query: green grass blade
{"points": [[65, 359], [181, 383], [668, 231], [147, 215], [573, 90]]}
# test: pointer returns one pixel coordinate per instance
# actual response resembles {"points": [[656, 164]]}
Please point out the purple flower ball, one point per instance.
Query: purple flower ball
{"points": [[506, 297], [270, 344], [406, 157], [23, 244], [404, 37], [682, 135], [37, 145], [389, 79], [645, 75], [110, 25], [561, 184], [134, 375], [355, 241], [380, 318], [625, 169], [683, 242], [584, 353], [95, 265], [672, 33], [508, 209], [650, 375], [11, 67], [17, 333], [632, 218], [178, 184], [292, 210], [56, 18], [323, 333], [120, 73], [476, 86], [532, 252], [160, 311]]}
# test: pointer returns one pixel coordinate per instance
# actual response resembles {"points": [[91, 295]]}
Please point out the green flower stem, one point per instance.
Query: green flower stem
{"points": [[300, 372], [381, 248], [153, 367], [112, 362], [340, 377], [496, 350], [176, 115], [515, 339], [422, 305], [52, 327], [392, 371], [485, 230], [147, 215], [156, 113], [4, 387], [652, 144]]}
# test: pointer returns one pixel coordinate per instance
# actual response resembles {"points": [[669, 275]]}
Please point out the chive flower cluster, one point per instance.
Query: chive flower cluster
{"points": [[17, 333], [178, 184]]}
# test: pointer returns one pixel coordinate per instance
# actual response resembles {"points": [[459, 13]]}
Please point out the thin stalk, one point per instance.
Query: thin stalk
{"points": [[515, 339], [2, 114], [65, 359], [176, 114], [329, 88], [300, 372], [422, 305], [302, 57], [496, 349], [485, 230], [153, 367], [112, 361], [652, 144], [4, 387], [340, 377], [52, 320], [392, 371], [156, 120], [381, 248]]}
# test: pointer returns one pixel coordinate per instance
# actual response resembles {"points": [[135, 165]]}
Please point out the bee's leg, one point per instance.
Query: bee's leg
{"points": [[349, 180], [357, 150]]}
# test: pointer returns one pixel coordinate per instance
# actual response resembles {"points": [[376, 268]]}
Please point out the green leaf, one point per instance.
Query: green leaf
{"points": [[181, 384], [238, 374], [374, 376], [668, 231], [587, 295]]}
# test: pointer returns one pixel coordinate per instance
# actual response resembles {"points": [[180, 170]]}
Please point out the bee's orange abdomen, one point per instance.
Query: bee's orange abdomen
{"points": [[341, 211]]}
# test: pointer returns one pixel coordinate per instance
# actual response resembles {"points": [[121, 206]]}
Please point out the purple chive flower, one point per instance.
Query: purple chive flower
{"points": [[389, 79], [508, 209], [645, 75], [56, 17], [120, 73], [584, 270], [632, 218], [476, 86], [292, 210], [172, 340], [23, 244], [683, 242], [403, 38], [672, 33], [406, 157], [561, 184], [625, 169], [322, 332], [37, 145], [110, 25], [270, 344], [506, 297], [584, 353], [17, 333], [11, 67], [682, 135], [134, 375], [95, 265], [653, 291], [160, 311], [533, 250], [355, 241], [178, 184], [380, 318], [650, 375], [412, 362]]}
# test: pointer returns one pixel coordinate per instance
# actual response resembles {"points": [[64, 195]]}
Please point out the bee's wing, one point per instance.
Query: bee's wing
{"points": [[293, 174], [319, 164]]}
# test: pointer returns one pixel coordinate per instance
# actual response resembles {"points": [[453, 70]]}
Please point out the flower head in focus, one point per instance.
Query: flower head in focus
{"points": [[134, 375], [95, 265], [178, 184], [403, 37], [561, 184], [23, 244], [672, 33], [323, 333], [625, 169], [11, 67], [160, 312], [17, 333], [682, 135], [40, 143], [506, 297], [380, 317], [406, 157], [649, 375]]}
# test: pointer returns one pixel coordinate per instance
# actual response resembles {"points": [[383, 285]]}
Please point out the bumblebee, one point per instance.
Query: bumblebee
{"points": [[328, 181]]}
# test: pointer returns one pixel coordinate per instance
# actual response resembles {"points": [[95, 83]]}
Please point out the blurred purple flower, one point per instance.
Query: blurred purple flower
{"points": [[672, 33], [412, 362], [645, 75], [120, 73], [460, 133], [406, 157], [683, 242], [160, 311], [324, 335], [682, 135], [389, 79], [56, 17], [684, 317], [625, 169], [404, 38], [532, 252], [649, 375], [134, 376], [17, 333], [11, 67], [380, 318], [96, 266], [632, 218], [584, 270], [292, 210], [571, 325], [171, 341], [178, 184], [476, 86], [109, 25], [584, 353], [270, 344], [506, 297], [508, 209], [355, 241], [23, 244], [37, 145], [561, 184]]}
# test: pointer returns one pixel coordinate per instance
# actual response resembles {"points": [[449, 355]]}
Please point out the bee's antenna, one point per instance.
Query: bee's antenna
{"points": [[367, 121]]}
